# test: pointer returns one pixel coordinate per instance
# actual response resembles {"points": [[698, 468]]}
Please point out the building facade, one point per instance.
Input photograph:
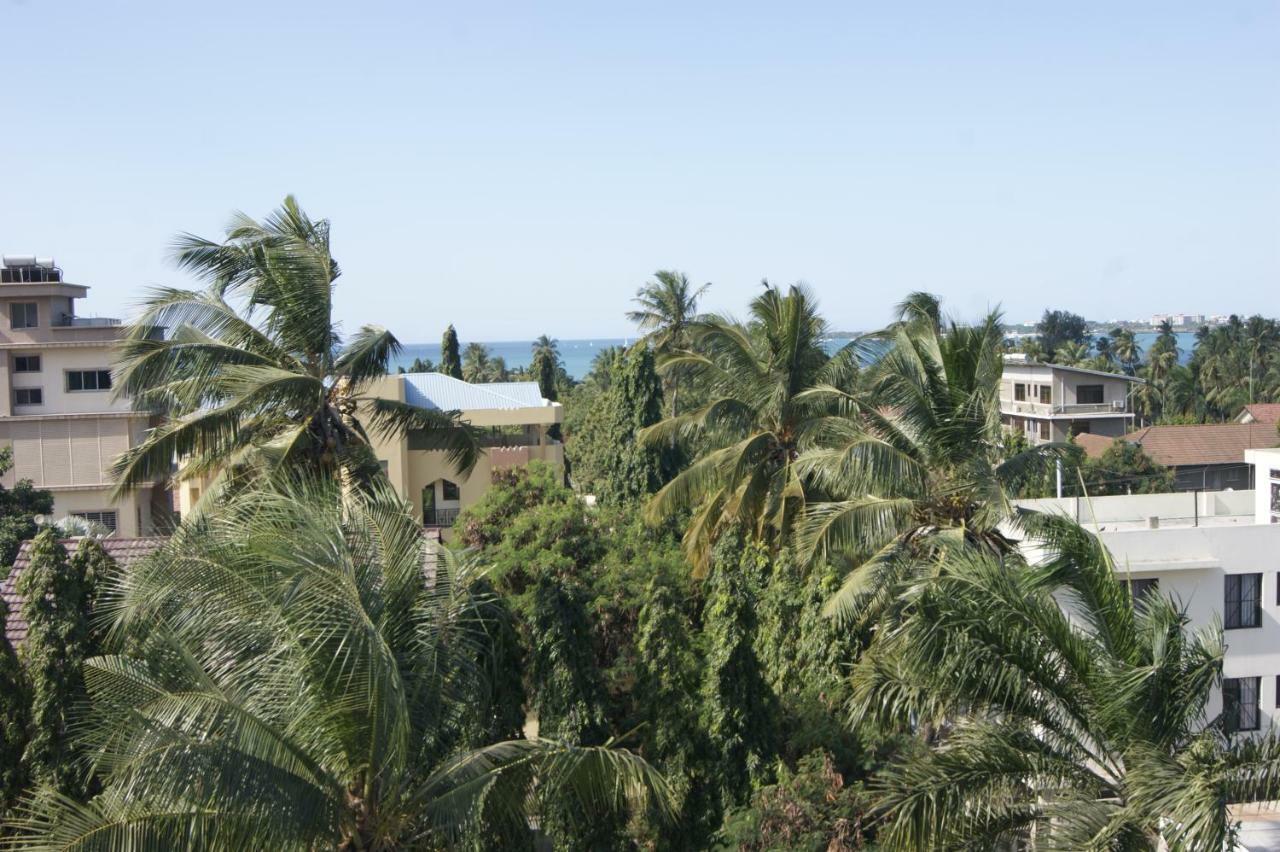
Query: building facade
{"points": [[57, 411], [1216, 553], [517, 423], [1050, 402]]}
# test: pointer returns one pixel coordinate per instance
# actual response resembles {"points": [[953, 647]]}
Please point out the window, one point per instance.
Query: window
{"points": [[105, 517], [23, 315], [1243, 601], [1046, 394], [1044, 430], [28, 396], [1240, 703], [1089, 394], [1020, 392], [1142, 590], [88, 380], [26, 363], [450, 490]]}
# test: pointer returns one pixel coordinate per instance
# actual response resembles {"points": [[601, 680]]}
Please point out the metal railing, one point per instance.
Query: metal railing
{"points": [[439, 517], [85, 322], [1010, 406]]}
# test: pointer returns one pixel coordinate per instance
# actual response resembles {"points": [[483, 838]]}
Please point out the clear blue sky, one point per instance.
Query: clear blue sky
{"points": [[522, 168]]}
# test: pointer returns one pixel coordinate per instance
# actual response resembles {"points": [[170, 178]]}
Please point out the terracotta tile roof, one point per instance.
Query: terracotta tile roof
{"points": [[1260, 412], [1094, 445], [125, 551], [1207, 443]]}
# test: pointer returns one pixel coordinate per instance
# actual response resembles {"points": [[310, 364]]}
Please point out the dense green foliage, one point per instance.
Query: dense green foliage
{"points": [[55, 598], [19, 507], [665, 309], [607, 458], [450, 360], [313, 702], [1059, 329], [13, 722]]}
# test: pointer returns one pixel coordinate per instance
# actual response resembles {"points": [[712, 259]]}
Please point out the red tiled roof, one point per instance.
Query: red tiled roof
{"points": [[125, 551], [1261, 412], [1205, 443], [1094, 445]]}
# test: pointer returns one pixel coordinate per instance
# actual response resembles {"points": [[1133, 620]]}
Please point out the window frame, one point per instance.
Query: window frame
{"points": [[1019, 392], [18, 364], [445, 486], [1233, 606], [1102, 394], [38, 391], [1045, 432], [1233, 705], [30, 314], [99, 517], [98, 375], [1046, 395]]}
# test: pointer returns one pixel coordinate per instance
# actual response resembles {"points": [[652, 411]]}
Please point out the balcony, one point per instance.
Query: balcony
{"points": [[1044, 409], [439, 517], [85, 322]]}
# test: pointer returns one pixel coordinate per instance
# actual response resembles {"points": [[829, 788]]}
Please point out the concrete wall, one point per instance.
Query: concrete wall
{"points": [[133, 511], [1180, 508], [55, 362]]}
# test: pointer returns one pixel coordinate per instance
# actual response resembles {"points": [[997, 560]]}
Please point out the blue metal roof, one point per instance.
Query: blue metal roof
{"points": [[445, 393]]}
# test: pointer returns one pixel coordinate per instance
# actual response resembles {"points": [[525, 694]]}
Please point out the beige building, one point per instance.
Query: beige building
{"points": [[56, 405], [1050, 402], [516, 420]]}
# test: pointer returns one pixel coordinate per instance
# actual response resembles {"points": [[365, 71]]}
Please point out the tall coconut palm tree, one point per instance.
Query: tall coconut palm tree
{"points": [[1079, 729], [749, 434], [1125, 346], [667, 306], [252, 373], [300, 674], [1071, 354], [916, 461]]}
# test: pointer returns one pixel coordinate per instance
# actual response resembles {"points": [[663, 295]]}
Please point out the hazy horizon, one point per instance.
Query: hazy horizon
{"points": [[517, 171]]}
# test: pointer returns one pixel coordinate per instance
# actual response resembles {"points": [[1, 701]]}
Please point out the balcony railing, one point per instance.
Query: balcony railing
{"points": [[439, 517], [85, 322], [1010, 406]]}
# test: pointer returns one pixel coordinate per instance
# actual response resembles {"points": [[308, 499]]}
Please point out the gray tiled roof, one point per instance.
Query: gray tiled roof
{"points": [[125, 551], [445, 393]]}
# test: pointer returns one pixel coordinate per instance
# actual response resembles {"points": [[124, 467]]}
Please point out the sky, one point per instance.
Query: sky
{"points": [[519, 169]]}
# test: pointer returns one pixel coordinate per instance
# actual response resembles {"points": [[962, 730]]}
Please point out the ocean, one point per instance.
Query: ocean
{"points": [[578, 354]]}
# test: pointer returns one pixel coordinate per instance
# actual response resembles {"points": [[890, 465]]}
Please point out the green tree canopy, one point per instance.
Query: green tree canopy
{"points": [[450, 360], [308, 704], [1057, 328]]}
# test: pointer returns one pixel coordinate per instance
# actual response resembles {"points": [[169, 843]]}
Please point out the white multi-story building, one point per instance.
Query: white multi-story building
{"points": [[1050, 402], [1218, 553], [56, 407]]}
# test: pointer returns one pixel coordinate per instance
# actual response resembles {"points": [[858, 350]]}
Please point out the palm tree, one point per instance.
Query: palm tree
{"points": [[918, 461], [1126, 349], [269, 386], [749, 434], [1066, 730], [477, 364], [546, 365], [667, 308], [1071, 354], [301, 670]]}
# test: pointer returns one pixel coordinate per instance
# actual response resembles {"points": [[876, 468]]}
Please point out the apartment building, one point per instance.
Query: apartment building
{"points": [[516, 421], [1050, 402], [1216, 552], [56, 406]]}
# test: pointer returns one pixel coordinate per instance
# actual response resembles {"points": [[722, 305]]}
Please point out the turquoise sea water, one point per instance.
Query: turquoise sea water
{"points": [[577, 354]]}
